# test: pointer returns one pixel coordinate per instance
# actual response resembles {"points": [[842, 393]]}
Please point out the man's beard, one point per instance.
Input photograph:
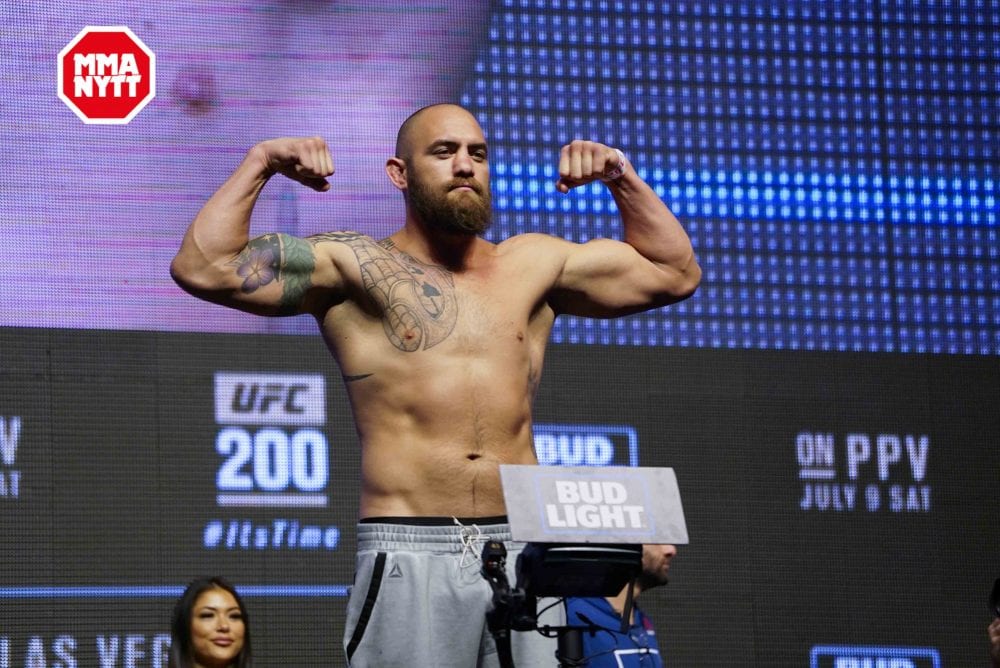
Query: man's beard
{"points": [[650, 580], [462, 214]]}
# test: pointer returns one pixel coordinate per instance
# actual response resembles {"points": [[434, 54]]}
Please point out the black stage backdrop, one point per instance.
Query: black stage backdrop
{"points": [[834, 501]]}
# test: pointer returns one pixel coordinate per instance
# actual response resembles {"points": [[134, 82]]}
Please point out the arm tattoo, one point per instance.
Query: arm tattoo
{"points": [[277, 257], [417, 300]]}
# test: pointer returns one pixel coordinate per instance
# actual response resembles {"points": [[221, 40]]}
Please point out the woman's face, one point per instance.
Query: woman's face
{"points": [[216, 629]]}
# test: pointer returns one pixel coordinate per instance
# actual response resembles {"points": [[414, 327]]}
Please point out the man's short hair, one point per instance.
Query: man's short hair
{"points": [[403, 148]]}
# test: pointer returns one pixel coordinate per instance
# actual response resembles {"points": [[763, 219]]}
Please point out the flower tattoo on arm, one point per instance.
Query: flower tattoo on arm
{"points": [[277, 257]]}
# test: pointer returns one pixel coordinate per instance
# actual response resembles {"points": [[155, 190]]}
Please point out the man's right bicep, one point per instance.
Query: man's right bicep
{"points": [[274, 274], [287, 274]]}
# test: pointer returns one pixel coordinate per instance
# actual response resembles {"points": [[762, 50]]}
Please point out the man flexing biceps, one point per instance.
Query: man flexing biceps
{"points": [[440, 336]]}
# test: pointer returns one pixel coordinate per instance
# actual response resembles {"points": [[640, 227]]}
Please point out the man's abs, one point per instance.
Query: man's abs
{"points": [[448, 478]]}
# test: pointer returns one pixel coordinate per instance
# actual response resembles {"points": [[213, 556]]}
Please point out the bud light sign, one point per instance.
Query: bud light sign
{"points": [[586, 445], [848, 656]]}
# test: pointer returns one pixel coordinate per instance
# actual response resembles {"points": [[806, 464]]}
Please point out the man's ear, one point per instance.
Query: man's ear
{"points": [[396, 169]]}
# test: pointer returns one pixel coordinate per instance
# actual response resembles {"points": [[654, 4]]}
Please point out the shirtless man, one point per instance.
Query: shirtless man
{"points": [[440, 336]]}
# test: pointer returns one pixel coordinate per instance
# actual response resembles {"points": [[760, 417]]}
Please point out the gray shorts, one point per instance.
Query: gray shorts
{"points": [[419, 599]]}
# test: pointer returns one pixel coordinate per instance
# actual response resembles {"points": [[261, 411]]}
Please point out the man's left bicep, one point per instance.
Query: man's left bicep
{"points": [[606, 278]]}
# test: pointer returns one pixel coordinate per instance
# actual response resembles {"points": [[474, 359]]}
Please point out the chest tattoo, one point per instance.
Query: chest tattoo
{"points": [[417, 300]]}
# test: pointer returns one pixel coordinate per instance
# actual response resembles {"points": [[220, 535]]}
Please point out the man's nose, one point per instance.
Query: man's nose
{"points": [[462, 165]]}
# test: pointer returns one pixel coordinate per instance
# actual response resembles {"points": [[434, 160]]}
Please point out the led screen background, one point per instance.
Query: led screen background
{"points": [[834, 163]]}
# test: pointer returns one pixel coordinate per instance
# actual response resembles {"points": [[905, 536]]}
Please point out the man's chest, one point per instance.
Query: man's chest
{"points": [[421, 306]]}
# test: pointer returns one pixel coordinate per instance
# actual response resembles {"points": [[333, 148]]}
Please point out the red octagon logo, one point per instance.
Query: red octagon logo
{"points": [[106, 75]]}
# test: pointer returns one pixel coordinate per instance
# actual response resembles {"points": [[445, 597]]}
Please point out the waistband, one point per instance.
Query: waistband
{"points": [[435, 520], [381, 535]]}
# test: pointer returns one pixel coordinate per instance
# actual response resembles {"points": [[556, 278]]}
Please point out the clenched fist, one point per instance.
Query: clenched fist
{"points": [[303, 159], [581, 162]]}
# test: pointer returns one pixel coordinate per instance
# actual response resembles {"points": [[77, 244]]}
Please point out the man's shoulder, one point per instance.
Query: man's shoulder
{"points": [[534, 254], [533, 242], [347, 245], [531, 238], [341, 236]]}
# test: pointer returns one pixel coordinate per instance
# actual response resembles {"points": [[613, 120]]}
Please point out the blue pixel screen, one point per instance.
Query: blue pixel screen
{"points": [[834, 163]]}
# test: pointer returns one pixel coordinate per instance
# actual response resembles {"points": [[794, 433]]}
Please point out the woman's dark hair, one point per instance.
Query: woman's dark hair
{"points": [[181, 655]]}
